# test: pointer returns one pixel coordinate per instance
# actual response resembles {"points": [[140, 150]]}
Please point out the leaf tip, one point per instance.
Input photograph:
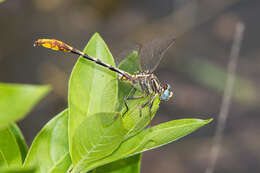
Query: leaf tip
{"points": [[45, 89], [96, 34], [209, 120]]}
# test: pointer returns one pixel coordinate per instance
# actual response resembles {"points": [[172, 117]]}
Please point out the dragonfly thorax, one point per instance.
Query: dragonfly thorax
{"points": [[150, 85]]}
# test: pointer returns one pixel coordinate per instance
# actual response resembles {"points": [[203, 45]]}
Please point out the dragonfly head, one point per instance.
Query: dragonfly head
{"points": [[167, 93]]}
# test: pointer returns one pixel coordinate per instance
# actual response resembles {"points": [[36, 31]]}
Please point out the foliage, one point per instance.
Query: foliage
{"points": [[94, 134], [15, 102]]}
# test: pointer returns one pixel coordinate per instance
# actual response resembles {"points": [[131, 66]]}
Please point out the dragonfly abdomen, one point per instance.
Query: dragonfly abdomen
{"points": [[143, 81]]}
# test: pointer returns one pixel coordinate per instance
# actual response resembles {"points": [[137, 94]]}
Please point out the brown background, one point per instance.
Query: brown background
{"points": [[196, 67]]}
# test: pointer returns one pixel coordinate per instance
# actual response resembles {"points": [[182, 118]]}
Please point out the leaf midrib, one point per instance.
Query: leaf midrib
{"points": [[56, 163], [132, 152]]}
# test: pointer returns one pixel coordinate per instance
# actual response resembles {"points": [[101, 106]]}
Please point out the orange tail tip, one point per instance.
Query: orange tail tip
{"points": [[53, 44]]}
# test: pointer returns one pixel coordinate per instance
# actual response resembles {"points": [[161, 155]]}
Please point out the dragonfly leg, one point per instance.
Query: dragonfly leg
{"points": [[125, 99], [125, 107], [150, 110], [132, 98], [150, 102], [142, 106]]}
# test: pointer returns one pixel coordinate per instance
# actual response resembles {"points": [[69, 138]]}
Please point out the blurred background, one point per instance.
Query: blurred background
{"points": [[196, 66]]}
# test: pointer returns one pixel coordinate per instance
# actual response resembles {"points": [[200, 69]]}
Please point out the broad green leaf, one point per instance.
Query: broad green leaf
{"points": [[81, 135], [20, 140], [165, 133], [131, 164], [17, 100], [50, 150], [17, 170], [10, 154], [151, 138], [128, 165], [88, 89], [3, 162], [90, 133], [95, 139]]}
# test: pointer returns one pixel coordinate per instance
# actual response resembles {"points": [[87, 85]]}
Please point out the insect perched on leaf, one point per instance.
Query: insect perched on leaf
{"points": [[144, 81]]}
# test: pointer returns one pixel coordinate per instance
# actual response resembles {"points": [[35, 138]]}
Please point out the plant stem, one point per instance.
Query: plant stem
{"points": [[226, 100]]}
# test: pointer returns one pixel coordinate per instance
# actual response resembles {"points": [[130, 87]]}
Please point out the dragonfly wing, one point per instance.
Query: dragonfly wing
{"points": [[152, 53], [124, 50]]}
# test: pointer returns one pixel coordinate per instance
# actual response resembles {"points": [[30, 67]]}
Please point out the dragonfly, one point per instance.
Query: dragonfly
{"points": [[144, 80]]}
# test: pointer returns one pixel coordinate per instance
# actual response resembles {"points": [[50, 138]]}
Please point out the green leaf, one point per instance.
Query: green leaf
{"points": [[50, 150], [17, 170], [165, 133], [151, 138], [94, 139], [20, 140], [128, 165], [17, 100], [10, 154], [131, 164], [88, 87], [81, 142]]}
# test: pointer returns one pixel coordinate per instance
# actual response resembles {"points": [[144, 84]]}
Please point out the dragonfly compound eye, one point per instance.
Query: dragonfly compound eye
{"points": [[167, 93]]}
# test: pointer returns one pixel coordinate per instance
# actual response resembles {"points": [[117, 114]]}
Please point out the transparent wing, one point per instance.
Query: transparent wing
{"points": [[123, 50], [152, 53]]}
